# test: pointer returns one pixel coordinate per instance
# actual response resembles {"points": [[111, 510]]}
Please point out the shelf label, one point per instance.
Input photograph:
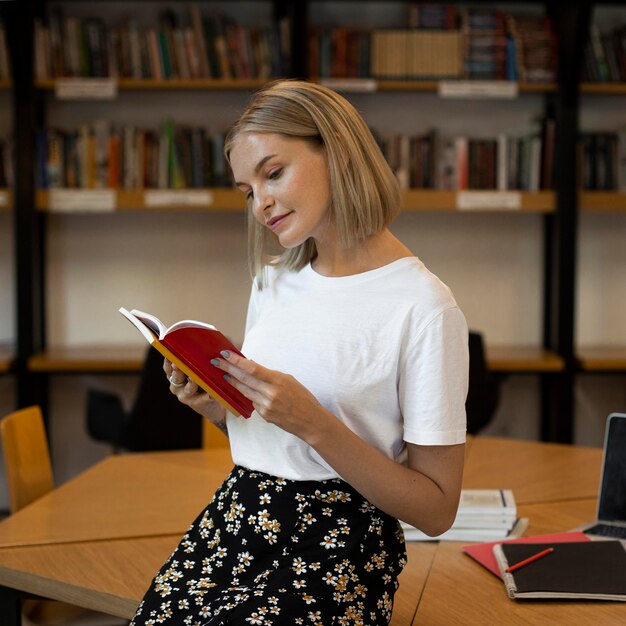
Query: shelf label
{"points": [[155, 198], [85, 88], [4, 198], [357, 85], [82, 200], [488, 200], [478, 89]]}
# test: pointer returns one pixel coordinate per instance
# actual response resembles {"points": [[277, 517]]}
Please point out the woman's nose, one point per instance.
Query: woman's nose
{"points": [[262, 202]]}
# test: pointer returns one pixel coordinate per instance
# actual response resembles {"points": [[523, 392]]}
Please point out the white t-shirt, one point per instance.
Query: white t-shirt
{"points": [[385, 351]]}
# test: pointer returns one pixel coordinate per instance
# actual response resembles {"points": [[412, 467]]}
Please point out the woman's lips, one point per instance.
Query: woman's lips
{"points": [[275, 222]]}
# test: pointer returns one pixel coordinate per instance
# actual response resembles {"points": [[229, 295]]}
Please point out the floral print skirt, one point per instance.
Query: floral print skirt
{"points": [[270, 551]]}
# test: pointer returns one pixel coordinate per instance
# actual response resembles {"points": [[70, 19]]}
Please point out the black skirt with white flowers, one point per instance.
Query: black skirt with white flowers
{"points": [[271, 551]]}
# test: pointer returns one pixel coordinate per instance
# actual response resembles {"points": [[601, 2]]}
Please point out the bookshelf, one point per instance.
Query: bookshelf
{"points": [[58, 333], [227, 199], [600, 340]]}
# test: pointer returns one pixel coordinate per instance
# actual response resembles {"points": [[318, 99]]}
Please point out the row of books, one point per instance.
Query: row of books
{"points": [[505, 162], [5, 66], [177, 156], [102, 155], [484, 44], [7, 163], [483, 515], [183, 45], [602, 161], [498, 44], [605, 56], [105, 156]]}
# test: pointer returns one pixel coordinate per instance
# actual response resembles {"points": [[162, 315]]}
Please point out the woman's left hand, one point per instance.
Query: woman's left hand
{"points": [[279, 398]]}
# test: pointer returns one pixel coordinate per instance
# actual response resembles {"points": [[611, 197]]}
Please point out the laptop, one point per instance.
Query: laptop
{"points": [[611, 517]]}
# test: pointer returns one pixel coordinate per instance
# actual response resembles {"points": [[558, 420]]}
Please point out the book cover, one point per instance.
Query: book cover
{"points": [[591, 570], [483, 552], [191, 345]]}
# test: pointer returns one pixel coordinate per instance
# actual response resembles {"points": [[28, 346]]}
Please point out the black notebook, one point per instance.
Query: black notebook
{"points": [[593, 570]]}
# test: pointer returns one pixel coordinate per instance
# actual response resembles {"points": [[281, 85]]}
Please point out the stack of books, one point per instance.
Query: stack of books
{"points": [[483, 515]]}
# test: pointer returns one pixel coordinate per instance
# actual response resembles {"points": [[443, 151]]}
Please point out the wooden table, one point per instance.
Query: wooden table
{"points": [[440, 585], [124, 496]]}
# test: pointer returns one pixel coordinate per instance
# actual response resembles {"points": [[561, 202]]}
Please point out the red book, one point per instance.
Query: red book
{"points": [[191, 345]]}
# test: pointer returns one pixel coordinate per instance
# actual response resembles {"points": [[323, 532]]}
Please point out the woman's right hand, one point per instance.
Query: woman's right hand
{"points": [[188, 392]]}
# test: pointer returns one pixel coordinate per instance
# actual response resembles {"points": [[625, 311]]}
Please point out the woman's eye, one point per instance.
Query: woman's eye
{"points": [[274, 174], [249, 196]]}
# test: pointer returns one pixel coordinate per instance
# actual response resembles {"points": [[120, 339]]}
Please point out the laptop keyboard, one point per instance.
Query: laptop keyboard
{"points": [[604, 530]]}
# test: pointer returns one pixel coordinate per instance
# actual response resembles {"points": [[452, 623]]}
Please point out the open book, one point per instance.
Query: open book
{"points": [[191, 345]]}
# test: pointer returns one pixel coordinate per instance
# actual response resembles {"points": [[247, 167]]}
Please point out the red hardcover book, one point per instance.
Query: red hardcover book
{"points": [[191, 345]]}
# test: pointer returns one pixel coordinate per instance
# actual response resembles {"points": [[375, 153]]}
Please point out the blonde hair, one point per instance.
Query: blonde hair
{"points": [[365, 193]]}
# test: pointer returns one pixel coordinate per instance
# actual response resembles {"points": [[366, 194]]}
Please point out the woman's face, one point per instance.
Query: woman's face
{"points": [[287, 185]]}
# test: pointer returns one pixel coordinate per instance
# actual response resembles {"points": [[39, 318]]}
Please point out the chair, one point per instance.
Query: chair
{"points": [[156, 421], [483, 392], [29, 476], [26, 457]]}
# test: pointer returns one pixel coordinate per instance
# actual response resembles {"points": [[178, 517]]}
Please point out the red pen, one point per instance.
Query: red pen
{"points": [[530, 559]]}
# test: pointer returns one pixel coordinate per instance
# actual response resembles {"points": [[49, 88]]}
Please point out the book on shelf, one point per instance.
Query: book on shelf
{"points": [[482, 515], [191, 345], [178, 45], [104, 155], [587, 570]]}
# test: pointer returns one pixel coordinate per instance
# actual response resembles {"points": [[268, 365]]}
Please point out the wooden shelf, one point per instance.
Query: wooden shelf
{"points": [[602, 201], [222, 199], [602, 358], [228, 199], [603, 88], [89, 359], [198, 84], [434, 200], [131, 358], [433, 85], [522, 359], [7, 358], [203, 84]]}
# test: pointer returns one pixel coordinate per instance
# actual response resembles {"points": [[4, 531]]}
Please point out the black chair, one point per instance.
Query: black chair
{"points": [[483, 392], [156, 421]]}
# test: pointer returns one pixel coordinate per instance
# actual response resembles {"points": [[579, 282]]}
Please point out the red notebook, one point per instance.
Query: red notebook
{"points": [[191, 345], [483, 552]]}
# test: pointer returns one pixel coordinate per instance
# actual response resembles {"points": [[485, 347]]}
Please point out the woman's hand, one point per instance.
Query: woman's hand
{"points": [[279, 398], [190, 394]]}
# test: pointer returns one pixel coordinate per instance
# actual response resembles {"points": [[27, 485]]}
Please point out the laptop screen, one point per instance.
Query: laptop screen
{"points": [[612, 502]]}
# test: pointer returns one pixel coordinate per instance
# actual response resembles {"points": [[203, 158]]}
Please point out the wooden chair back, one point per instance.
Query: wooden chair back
{"points": [[26, 457]]}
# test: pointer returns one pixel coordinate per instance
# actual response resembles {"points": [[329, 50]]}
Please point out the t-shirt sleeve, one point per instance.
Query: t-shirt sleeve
{"points": [[433, 381]]}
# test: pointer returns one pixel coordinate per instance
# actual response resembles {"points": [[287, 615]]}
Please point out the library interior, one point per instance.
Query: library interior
{"points": [[505, 125]]}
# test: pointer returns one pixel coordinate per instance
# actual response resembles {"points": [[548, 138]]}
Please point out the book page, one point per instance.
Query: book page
{"points": [[189, 324], [152, 322]]}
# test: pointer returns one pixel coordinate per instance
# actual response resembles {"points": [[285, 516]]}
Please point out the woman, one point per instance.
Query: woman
{"points": [[357, 369]]}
